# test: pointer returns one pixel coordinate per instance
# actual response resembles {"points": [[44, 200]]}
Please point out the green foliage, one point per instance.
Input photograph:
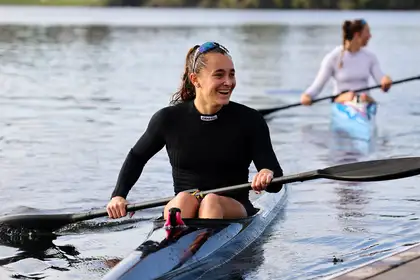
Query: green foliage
{"points": [[55, 2], [164, 3]]}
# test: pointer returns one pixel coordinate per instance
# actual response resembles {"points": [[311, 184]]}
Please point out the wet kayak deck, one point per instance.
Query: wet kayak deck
{"points": [[403, 265]]}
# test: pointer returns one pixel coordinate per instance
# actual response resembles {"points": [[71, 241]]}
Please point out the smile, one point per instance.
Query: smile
{"points": [[224, 92]]}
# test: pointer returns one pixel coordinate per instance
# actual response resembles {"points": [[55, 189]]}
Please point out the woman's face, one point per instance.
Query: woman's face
{"points": [[216, 80], [364, 36]]}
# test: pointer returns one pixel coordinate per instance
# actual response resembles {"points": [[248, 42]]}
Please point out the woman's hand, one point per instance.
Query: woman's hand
{"points": [[306, 99], [386, 83], [261, 180], [116, 208]]}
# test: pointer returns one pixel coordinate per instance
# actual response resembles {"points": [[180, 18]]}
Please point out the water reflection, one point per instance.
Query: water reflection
{"points": [[39, 252], [340, 147], [18, 34], [352, 200], [255, 46], [35, 255]]}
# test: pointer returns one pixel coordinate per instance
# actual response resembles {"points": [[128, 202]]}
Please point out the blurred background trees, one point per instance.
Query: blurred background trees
{"points": [[279, 4]]}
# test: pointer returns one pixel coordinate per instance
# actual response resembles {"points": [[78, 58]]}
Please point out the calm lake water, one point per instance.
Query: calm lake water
{"points": [[78, 86]]}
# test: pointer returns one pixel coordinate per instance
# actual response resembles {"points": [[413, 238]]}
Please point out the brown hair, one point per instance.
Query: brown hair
{"points": [[186, 91], [349, 29]]}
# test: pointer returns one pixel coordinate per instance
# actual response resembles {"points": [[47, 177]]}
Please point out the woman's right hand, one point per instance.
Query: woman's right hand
{"points": [[306, 99], [116, 208]]}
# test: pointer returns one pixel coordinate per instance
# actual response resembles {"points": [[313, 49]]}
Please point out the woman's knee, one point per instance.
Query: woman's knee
{"points": [[184, 201], [187, 197], [229, 207], [210, 198]]}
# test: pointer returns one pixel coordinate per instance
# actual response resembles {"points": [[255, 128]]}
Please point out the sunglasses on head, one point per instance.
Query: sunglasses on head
{"points": [[204, 48]]}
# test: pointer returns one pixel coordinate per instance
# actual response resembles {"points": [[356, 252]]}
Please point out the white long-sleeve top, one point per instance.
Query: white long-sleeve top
{"points": [[354, 74]]}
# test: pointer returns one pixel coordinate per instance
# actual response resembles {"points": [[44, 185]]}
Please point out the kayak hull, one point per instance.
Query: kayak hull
{"points": [[354, 121], [205, 245]]}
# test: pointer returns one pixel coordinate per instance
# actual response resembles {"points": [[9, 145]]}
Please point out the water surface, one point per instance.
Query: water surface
{"points": [[80, 84]]}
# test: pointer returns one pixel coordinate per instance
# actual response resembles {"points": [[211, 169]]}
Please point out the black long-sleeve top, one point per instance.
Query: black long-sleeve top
{"points": [[205, 151]]}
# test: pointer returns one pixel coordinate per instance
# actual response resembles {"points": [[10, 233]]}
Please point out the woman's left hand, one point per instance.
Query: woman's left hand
{"points": [[386, 83], [261, 180]]}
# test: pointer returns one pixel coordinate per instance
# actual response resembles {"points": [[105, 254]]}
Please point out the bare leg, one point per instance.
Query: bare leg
{"points": [[184, 201], [342, 98], [349, 96], [214, 206]]}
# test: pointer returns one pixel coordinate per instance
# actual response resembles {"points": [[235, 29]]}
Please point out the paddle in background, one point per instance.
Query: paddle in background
{"points": [[266, 112], [367, 171]]}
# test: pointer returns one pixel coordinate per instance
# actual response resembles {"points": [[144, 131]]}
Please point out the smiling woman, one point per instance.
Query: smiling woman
{"points": [[210, 141], [209, 78]]}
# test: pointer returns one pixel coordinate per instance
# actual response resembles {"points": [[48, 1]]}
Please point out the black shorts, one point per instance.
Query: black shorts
{"points": [[249, 208]]}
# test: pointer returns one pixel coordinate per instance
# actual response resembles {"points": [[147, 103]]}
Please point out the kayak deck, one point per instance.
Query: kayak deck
{"points": [[358, 123], [204, 245]]}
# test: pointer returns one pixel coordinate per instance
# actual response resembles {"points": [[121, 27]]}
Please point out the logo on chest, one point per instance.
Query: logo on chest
{"points": [[208, 118]]}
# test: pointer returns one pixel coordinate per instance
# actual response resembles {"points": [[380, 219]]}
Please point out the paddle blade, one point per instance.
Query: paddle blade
{"points": [[374, 170], [37, 221]]}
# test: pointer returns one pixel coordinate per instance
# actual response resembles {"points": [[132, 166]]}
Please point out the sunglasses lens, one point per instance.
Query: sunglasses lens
{"points": [[207, 47]]}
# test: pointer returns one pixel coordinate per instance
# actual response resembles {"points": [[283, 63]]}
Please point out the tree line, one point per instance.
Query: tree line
{"points": [[278, 4]]}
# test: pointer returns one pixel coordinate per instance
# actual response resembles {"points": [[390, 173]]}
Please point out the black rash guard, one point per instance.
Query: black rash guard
{"points": [[206, 151]]}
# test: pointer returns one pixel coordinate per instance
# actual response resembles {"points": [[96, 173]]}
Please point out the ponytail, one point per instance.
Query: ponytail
{"points": [[349, 29], [347, 35], [186, 91]]}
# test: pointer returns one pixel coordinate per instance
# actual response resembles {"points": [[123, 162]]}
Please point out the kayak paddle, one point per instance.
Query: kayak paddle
{"points": [[366, 171], [265, 112]]}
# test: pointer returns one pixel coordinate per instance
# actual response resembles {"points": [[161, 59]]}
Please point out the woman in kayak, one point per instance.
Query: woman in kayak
{"points": [[210, 141], [351, 66]]}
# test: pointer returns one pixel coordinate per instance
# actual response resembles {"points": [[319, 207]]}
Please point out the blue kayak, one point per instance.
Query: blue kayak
{"points": [[355, 120]]}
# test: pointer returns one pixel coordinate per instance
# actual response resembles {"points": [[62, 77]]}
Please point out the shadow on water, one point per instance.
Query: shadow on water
{"points": [[31, 253], [34, 252]]}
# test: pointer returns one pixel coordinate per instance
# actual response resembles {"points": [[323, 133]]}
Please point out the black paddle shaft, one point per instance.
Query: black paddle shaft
{"points": [[265, 112], [366, 171]]}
